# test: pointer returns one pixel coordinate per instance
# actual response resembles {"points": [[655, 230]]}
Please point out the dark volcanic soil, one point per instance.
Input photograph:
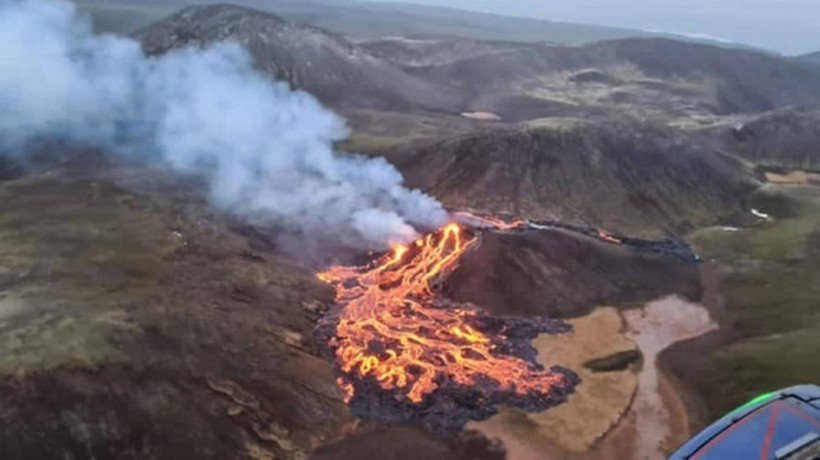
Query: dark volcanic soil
{"points": [[561, 273], [626, 177], [140, 324], [145, 326], [327, 65], [403, 443]]}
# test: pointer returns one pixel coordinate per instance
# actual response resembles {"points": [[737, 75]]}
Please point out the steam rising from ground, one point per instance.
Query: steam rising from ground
{"points": [[265, 150]]}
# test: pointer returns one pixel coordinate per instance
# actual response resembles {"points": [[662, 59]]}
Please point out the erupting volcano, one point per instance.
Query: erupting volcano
{"points": [[404, 352]]}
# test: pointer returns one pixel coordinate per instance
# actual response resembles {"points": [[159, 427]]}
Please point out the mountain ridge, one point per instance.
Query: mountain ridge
{"points": [[614, 105], [325, 64], [369, 20]]}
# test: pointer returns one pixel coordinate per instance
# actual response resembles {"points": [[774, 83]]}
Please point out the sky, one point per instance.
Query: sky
{"points": [[786, 26]]}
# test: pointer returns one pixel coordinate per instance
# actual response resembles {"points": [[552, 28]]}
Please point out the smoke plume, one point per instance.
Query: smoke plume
{"points": [[266, 151]]}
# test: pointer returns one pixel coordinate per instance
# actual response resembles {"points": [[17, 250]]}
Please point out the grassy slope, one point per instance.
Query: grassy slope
{"points": [[118, 311], [769, 304]]}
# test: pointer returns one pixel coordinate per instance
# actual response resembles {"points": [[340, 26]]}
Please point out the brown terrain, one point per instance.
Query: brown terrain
{"points": [[559, 173], [138, 322], [194, 323], [144, 325], [559, 273]]}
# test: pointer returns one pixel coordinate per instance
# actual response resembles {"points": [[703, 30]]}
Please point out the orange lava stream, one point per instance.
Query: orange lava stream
{"points": [[392, 328], [489, 221], [602, 235]]}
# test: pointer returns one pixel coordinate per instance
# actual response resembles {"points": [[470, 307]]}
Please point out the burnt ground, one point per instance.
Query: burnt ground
{"points": [[625, 176], [143, 325], [400, 443], [563, 273]]}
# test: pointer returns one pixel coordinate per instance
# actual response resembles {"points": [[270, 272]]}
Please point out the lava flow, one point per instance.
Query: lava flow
{"points": [[404, 352]]}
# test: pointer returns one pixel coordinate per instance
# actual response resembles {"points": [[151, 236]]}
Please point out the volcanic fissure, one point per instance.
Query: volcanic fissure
{"points": [[403, 352]]}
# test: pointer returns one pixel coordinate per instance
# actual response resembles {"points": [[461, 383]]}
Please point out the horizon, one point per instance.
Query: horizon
{"points": [[783, 26]]}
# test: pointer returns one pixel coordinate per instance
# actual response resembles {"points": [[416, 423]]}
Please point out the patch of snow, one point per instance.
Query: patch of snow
{"points": [[693, 36], [483, 116], [420, 41], [761, 214]]}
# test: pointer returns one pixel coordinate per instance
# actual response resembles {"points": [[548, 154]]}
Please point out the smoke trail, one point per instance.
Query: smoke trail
{"points": [[265, 150]]}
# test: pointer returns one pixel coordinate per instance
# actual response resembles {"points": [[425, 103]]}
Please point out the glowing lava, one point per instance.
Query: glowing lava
{"points": [[482, 220], [395, 332]]}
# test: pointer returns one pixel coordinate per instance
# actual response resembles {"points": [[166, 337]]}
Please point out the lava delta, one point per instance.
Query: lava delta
{"points": [[403, 352]]}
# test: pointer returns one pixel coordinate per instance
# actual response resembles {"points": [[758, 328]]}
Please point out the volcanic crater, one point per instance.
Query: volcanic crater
{"points": [[410, 346]]}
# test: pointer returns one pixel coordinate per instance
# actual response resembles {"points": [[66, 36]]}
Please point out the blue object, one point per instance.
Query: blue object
{"points": [[781, 425]]}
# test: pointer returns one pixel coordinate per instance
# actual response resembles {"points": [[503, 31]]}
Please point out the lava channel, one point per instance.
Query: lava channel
{"points": [[405, 353]]}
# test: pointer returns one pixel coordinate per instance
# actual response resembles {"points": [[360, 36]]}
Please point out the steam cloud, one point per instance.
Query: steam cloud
{"points": [[265, 150]]}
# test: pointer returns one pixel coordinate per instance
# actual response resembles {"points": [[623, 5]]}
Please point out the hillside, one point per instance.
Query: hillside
{"points": [[148, 334], [413, 52], [661, 78], [406, 94], [332, 68], [670, 188], [199, 331], [653, 182], [785, 138], [686, 76], [745, 80], [369, 19], [546, 272], [764, 293], [811, 58], [366, 20]]}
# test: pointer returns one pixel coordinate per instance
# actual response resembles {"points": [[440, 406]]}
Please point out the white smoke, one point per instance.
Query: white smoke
{"points": [[266, 151]]}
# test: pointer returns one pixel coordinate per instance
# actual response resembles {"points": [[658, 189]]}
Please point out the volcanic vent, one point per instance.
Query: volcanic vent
{"points": [[405, 353]]}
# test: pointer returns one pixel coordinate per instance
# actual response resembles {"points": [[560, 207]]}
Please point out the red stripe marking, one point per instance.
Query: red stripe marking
{"points": [[774, 407], [716, 440], [804, 415], [770, 429]]}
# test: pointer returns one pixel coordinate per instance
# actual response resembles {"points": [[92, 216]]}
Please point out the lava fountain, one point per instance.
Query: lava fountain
{"points": [[404, 352]]}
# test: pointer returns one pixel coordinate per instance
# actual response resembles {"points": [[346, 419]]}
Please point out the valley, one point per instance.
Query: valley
{"points": [[664, 200], [763, 298]]}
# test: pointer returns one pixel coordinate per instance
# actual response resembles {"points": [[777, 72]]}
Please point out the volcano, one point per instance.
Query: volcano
{"points": [[405, 353], [409, 344]]}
